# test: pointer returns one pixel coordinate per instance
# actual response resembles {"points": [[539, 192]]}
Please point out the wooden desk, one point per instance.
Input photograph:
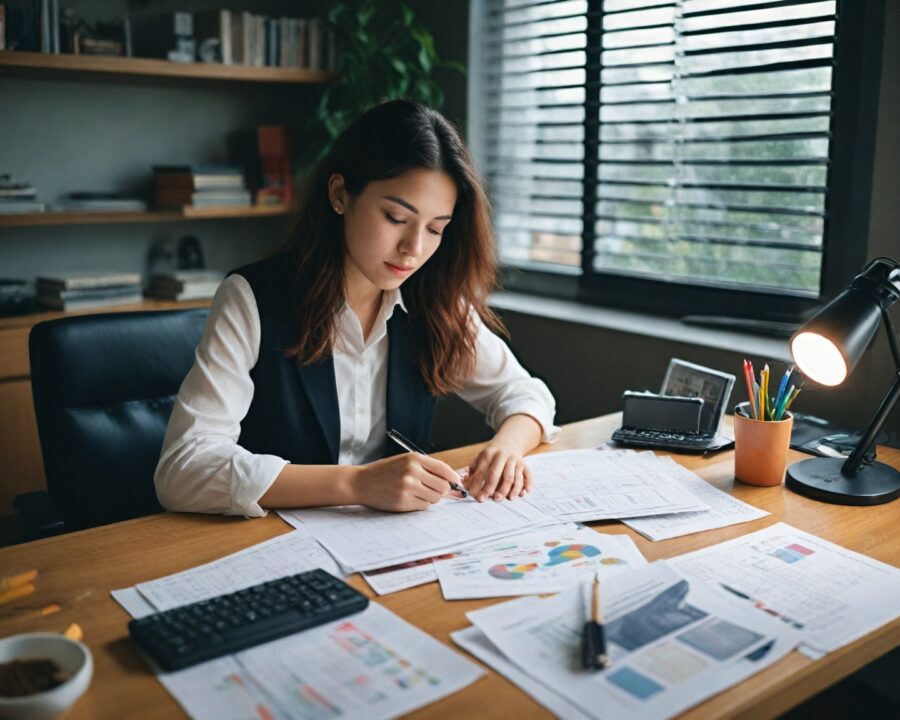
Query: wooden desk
{"points": [[79, 570]]}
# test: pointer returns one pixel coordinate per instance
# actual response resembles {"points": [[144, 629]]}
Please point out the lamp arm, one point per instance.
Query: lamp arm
{"points": [[851, 465], [892, 337]]}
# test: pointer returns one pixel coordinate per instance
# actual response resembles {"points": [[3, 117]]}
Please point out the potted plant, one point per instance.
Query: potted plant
{"points": [[383, 52]]}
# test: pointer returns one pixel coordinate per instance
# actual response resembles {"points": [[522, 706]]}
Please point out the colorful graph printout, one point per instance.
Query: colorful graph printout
{"points": [[543, 561], [372, 665]]}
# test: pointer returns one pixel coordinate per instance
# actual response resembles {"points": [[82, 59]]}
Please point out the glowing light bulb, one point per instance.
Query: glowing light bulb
{"points": [[819, 359]]}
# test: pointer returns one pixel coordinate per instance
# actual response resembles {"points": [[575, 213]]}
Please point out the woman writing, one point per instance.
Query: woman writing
{"points": [[377, 307]]}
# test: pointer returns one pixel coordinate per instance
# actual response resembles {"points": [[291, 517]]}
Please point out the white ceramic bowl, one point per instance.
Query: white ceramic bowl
{"points": [[72, 657]]}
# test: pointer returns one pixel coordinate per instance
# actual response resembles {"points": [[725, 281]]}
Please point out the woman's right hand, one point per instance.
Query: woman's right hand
{"points": [[402, 483]]}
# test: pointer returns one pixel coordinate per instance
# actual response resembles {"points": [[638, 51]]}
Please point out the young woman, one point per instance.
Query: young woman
{"points": [[377, 307]]}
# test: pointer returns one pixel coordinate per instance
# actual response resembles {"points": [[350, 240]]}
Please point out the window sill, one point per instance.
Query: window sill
{"points": [[747, 344]]}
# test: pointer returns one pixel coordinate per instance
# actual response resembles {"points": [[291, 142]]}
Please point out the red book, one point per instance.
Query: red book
{"points": [[275, 156]]}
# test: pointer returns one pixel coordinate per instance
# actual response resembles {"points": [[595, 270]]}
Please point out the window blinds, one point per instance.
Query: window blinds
{"points": [[687, 141]]}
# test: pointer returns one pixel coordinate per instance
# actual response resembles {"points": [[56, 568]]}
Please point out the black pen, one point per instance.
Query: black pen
{"points": [[593, 639], [408, 445]]}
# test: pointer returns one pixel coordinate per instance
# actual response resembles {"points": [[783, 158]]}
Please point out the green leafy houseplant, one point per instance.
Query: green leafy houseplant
{"points": [[383, 52]]}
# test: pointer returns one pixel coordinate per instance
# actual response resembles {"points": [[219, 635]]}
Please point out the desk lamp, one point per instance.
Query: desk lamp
{"points": [[826, 349]]}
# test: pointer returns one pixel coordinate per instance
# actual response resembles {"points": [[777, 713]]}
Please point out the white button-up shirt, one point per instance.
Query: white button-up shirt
{"points": [[203, 469]]}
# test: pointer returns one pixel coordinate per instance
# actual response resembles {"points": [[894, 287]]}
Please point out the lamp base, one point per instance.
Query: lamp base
{"points": [[821, 479]]}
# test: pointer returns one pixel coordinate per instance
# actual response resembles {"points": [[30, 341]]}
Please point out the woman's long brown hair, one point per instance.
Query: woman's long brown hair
{"points": [[390, 139]]}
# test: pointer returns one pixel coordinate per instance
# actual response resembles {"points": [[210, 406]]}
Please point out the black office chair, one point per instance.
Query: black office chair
{"points": [[104, 387]]}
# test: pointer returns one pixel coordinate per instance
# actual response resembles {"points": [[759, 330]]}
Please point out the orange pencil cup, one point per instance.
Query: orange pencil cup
{"points": [[760, 447]]}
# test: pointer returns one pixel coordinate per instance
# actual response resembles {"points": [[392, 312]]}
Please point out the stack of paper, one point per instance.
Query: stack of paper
{"points": [[582, 485], [672, 644], [364, 539], [723, 509], [372, 665], [545, 561], [286, 554], [831, 595]]}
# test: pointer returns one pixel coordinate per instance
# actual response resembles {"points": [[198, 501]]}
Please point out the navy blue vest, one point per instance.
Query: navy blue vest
{"points": [[294, 412]]}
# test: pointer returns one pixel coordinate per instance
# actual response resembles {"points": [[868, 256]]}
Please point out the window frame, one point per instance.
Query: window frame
{"points": [[855, 86]]}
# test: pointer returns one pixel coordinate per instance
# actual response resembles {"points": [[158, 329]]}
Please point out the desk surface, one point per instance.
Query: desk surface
{"points": [[79, 570]]}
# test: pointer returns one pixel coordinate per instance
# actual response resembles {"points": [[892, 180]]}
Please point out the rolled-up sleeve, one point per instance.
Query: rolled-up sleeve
{"points": [[202, 468], [501, 387]]}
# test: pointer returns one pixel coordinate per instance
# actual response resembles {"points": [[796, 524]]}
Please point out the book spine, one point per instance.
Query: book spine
{"points": [[314, 44], [2, 27], [126, 32], [237, 38], [260, 59], [45, 26], [247, 38], [225, 36], [284, 29], [54, 26], [302, 41]]}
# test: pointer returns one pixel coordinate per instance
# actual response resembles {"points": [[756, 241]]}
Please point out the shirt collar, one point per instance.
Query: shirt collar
{"points": [[390, 299]]}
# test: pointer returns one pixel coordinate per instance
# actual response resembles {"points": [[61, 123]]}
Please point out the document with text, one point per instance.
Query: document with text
{"points": [[582, 485], [723, 509], [287, 554], [672, 643], [363, 539], [372, 665], [544, 561], [830, 594]]}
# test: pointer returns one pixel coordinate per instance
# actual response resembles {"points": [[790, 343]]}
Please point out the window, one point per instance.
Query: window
{"points": [[678, 156]]}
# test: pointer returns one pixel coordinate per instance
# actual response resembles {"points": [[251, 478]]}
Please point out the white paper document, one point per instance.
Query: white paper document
{"points": [[363, 539], [830, 594], [582, 485], [395, 578], [543, 561], [723, 510], [672, 643], [474, 641], [286, 554], [372, 665]]}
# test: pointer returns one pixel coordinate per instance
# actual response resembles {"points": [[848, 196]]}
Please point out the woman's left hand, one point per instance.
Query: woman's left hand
{"points": [[498, 472]]}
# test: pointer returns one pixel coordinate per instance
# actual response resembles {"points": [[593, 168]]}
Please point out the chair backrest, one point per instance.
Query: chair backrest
{"points": [[104, 387]]}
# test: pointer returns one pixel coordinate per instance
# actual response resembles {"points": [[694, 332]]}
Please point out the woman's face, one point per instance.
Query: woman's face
{"points": [[394, 226]]}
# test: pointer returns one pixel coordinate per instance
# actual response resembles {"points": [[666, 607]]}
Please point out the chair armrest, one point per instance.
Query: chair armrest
{"points": [[40, 516]]}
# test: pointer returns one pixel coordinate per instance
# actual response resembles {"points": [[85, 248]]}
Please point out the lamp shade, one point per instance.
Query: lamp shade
{"points": [[828, 346]]}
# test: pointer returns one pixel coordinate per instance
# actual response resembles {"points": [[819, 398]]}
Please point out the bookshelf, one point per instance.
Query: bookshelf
{"points": [[219, 97], [101, 218], [73, 65]]}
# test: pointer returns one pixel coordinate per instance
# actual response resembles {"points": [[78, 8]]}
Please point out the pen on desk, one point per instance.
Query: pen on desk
{"points": [[408, 445], [593, 641]]}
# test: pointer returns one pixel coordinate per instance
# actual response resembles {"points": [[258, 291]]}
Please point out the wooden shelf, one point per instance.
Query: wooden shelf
{"points": [[27, 321], [93, 64], [102, 218]]}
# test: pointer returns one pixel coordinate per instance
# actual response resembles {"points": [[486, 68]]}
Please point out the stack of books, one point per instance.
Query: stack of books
{"points": [[200, 186], [80, 290], [99, 202], [185, 284], [18, 197]]}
